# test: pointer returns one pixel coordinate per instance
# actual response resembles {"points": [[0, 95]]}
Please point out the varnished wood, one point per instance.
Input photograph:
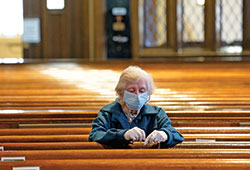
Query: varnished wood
{"points": [[94, 145], [130, 153], [75, 131], [171, 164], [84, 138], [66, 146], [207, 103], [45, 131], [210, 28], [213, 145]]}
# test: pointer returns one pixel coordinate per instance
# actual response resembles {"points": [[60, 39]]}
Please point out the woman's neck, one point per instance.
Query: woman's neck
{"points": [[127, 110]]}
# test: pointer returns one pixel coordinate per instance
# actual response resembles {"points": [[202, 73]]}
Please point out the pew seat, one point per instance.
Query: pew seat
{"points": [[176, 121], [75, 131], [84, 138], [124, 164], [130, 154]]}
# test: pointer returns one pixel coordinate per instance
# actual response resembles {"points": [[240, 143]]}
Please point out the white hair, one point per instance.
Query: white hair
{"points": [[133, 74]]}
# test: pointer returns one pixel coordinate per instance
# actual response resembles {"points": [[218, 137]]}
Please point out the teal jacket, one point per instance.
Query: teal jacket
{"points": [[111, 123]]}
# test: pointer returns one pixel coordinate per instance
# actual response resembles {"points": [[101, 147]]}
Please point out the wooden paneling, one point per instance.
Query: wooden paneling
{"points": [[32, 9], [63, 31]]}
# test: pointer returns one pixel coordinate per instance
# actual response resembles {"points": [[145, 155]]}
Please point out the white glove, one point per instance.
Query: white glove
{"points": [[135, 134], [156, 136]]}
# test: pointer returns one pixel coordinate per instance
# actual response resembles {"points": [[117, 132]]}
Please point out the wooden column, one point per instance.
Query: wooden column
{"points": [[172, 24], [246, 25], [98, 34], [135, 44], [210, 33]]}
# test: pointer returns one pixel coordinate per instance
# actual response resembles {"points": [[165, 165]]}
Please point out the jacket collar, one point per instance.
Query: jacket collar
{"points": [[116, 109], [117, 113], [148, 109]]}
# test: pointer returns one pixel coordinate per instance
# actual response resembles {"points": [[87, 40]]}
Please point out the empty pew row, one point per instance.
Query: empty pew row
{"points": [[170, 164], [129, 154], [160, 79], [213, 145]]}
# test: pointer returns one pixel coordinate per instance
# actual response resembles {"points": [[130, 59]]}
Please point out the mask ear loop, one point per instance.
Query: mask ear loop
{"points": [[149, 97]]}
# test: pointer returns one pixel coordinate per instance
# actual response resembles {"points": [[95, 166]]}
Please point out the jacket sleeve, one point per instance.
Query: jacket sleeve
{"points": [[164, 124], [103, 133]]}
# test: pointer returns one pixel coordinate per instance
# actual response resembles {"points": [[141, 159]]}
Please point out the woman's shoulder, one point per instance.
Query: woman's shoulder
{"points": [[152, 108], [110, 109], [111, 106]]}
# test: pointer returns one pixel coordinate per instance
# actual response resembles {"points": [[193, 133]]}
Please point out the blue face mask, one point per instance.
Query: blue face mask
{"points": [[133, 101]]}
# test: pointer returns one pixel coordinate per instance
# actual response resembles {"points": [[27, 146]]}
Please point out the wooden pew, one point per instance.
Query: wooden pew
{"points": [[179, 119], [185, 90], [95, 104], [45, 131], [82, 131], [94, 145], [44, 138], [214, 130], [169, 108], [51, 146], [156, 97], [170, 164], [93, 114], [84, 138], [176, 121], [130, 154], [213, 145]]}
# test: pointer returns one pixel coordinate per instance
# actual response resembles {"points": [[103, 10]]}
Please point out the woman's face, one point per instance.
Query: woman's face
{"points": [[137, 88]]}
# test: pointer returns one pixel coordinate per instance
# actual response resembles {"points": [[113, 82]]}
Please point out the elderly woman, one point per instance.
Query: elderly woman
{"points": [[130, 118]]}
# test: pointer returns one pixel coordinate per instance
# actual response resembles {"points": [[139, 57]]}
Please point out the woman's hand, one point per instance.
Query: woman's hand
{"points": [[156, 136], [135, 134]]}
